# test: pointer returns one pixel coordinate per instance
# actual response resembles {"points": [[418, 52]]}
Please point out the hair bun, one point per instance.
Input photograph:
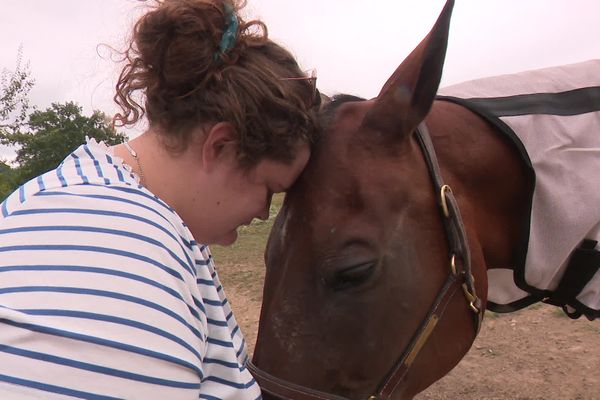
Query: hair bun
{"points": [[172, 62]]}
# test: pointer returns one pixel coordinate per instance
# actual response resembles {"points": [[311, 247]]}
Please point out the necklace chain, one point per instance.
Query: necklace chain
{"points": [[137, 160]]}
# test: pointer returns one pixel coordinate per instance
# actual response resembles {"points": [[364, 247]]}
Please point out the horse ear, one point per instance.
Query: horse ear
{"points": [[407, 96]]}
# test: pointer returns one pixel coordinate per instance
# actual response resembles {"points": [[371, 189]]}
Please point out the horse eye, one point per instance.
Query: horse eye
{"points": [[351, 276]]}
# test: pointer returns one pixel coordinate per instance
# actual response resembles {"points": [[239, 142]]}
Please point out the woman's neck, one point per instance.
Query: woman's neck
{"points": [[161, 171]]}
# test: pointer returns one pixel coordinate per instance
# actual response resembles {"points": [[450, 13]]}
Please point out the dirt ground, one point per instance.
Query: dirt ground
{"points": [[533, 354]]}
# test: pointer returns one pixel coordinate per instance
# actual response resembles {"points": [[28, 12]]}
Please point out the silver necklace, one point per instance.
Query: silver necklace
{"points": [[137, 160]]}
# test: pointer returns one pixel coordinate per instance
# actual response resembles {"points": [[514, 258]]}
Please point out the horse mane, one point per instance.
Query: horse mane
{"points": [[328, 108]]}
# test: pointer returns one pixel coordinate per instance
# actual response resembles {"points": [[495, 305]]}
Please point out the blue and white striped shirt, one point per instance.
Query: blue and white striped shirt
{"points": [[104, 294]]}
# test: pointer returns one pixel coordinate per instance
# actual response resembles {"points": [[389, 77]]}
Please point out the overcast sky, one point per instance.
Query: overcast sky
{"points": [[354, 44]]}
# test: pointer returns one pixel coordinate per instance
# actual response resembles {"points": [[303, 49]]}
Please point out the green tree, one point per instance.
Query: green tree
{"points": [[54, 133], [7, 180], [14, 101]]}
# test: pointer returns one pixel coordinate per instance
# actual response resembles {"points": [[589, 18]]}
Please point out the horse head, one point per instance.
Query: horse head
{"points": [[359, 250]]}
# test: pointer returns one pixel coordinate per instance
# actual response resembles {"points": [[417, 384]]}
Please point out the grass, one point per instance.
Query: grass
{"points": [[559, 313], [491, 315], [594, 329], [536, 306]]}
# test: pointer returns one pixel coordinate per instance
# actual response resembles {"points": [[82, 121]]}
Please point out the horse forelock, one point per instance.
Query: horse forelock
{"points": [[327, 112]]}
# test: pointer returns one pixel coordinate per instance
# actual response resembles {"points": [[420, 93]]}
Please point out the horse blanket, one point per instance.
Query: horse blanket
{"points": [[552, 116]]}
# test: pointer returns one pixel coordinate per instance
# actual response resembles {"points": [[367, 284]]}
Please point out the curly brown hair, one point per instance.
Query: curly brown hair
{"points": [[173, 61]]}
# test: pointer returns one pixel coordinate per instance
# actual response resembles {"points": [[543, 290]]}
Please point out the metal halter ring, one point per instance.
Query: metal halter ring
{"points": [[445, 189]]}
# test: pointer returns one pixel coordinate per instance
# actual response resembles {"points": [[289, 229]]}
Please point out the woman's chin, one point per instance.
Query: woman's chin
{"points": [[227, 239]]}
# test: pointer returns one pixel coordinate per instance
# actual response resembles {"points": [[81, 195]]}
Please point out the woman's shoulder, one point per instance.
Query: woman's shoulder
{"points": [[69, 201]]}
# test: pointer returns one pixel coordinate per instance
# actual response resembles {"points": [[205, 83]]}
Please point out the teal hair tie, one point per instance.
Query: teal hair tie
{"points": [[230, 35]]}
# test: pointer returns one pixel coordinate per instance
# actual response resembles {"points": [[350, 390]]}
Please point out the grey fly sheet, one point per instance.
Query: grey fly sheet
{"points": [[552, 116]]}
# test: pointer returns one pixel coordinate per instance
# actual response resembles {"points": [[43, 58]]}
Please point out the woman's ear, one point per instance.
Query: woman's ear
{"points": [[220, 144]]}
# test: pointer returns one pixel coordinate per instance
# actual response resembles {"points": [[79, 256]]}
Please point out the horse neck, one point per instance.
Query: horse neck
{"points": [[487, 177]]}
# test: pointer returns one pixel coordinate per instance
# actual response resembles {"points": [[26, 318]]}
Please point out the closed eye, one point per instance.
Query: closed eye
{"points": [[351, 277]]}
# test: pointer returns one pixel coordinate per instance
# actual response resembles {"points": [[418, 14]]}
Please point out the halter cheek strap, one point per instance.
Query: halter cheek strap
{"points": [[460, 275], [460, 255]]}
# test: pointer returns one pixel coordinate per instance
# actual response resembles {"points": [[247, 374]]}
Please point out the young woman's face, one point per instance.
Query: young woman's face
{"points": [[241, 195]]}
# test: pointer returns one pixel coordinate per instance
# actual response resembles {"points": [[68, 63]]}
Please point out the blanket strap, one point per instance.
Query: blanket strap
{"points": [[582, 266]]}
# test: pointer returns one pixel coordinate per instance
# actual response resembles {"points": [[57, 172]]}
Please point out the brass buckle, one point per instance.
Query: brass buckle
{"points": [[445, 189], [471, 296]]}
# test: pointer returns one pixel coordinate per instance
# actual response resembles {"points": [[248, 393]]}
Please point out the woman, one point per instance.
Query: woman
{"points": [[107, 287]]}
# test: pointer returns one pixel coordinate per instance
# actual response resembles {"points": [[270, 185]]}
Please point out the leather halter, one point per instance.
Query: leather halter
{"points": [[460, 276]]}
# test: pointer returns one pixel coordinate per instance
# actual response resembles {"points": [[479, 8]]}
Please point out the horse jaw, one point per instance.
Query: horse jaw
{"points": [[408, 95]]}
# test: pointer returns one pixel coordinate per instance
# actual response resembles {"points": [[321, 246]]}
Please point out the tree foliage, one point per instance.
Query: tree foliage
{"points": [[41, 139], [14, 101], [7, 180], [54, 133]]}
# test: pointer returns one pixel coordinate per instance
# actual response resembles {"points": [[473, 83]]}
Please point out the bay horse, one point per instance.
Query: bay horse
{"points": [[378, 262]]}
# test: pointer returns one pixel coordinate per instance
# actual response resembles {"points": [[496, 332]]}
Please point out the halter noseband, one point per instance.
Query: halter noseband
{"points": [[460, 276]]}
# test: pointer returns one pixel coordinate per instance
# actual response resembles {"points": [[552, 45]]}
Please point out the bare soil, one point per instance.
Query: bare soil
{"points": [[534, 354]]}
